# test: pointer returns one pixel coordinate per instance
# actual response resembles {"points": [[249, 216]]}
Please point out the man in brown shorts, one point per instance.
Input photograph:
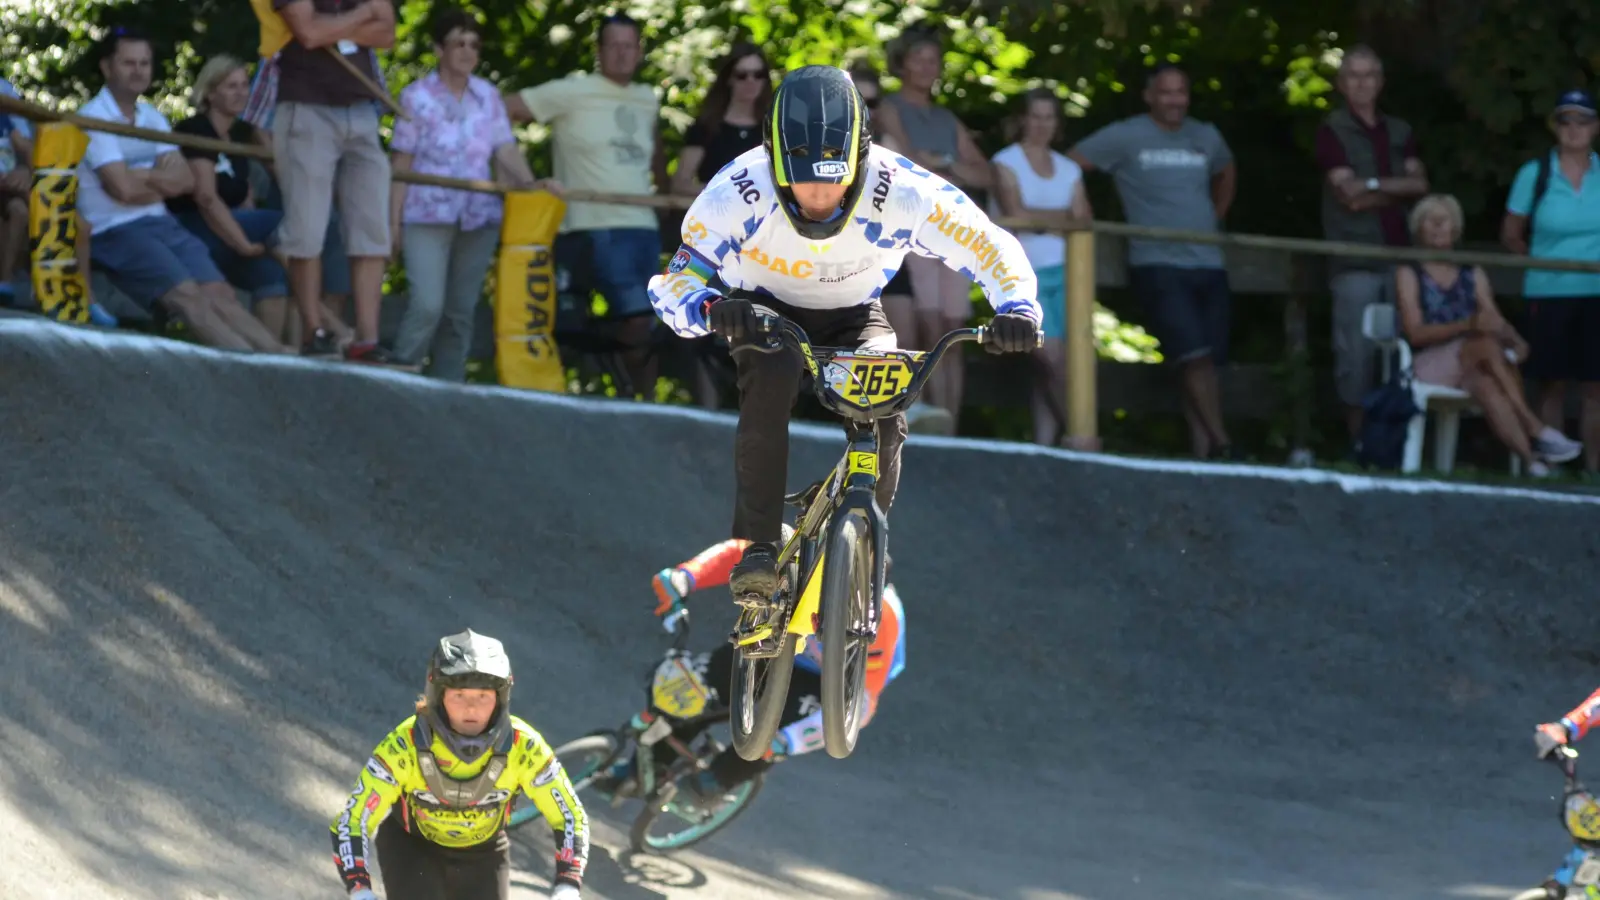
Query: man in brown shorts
{"points": [[326, 122]]}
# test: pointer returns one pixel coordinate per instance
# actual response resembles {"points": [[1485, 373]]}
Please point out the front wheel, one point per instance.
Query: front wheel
{"points": [[584, 759], [846, 616], [668, 825]]}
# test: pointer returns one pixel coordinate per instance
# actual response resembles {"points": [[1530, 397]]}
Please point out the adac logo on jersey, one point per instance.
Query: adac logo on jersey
{"points": [[880, 191], [979, 242], [746, 186]]}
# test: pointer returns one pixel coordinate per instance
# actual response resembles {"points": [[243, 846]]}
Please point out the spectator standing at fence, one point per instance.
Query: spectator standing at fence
{"points": [[1174, 171], [456, 126], [1370, 173], [729, 122], [1563, 307], [605, 130], [1448, 315], [1034, 178], [936, 140], [123, 184], [222, 209], [16, 182], [326, 145]]}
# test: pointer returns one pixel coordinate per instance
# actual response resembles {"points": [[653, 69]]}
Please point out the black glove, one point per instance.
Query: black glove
{"points": [[1012, 333], [734, 319]]}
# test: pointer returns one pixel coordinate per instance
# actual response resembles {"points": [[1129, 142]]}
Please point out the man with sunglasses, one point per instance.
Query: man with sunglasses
{"points": [[812, 224]]}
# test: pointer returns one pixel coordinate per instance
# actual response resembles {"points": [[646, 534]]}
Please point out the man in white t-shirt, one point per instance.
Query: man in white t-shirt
{"points": [[606, 136], [122, 185]]}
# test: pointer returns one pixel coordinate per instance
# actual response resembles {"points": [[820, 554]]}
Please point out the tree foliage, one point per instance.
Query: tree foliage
{"points": [[1474, 76]]}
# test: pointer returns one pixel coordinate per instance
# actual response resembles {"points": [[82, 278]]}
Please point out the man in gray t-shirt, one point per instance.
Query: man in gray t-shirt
{"points": [[1172, 171]]}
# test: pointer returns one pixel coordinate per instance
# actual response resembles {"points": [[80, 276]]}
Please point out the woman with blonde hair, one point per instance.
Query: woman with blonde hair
{"points": [[224, 211], [1448, 316]]}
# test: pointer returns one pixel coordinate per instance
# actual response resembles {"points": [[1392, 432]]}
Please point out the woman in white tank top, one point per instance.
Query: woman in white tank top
{"points": [[1034, 179]]}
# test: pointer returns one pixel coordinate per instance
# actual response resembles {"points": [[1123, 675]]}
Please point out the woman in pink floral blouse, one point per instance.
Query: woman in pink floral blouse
{"points": [[457, 126]]}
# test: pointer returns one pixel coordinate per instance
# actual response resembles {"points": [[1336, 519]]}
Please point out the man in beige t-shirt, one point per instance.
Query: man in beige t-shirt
{"points": [[606, 136]]}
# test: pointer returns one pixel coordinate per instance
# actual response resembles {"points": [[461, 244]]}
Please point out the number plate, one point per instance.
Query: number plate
{"points": [[868, 380], [678, 690], [1583, 817], [1588, 872]]}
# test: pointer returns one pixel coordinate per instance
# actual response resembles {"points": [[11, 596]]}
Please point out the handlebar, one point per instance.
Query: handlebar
{"points": [[779, 332], [1565, 758], [677, 624]]}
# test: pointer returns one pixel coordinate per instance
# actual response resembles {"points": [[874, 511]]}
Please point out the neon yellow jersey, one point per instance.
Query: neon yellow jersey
{"points": [[393, 778]]}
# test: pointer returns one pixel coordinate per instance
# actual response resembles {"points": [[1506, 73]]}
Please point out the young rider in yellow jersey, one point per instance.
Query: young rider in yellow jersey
{"points": [[449, 773]]}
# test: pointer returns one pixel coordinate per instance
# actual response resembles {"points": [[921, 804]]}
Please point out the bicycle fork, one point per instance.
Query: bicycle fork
{"points": [[650, 729]]}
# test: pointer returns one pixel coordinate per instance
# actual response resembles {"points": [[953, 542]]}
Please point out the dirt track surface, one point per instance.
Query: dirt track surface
{"points": [[219, 580]]}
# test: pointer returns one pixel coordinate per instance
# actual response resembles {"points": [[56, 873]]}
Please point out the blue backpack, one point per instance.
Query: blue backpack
{"points": [[1389, 411]]}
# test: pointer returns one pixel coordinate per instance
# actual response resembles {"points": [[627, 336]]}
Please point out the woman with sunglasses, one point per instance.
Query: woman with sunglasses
{"points": [[456, 125], [729, 121]]}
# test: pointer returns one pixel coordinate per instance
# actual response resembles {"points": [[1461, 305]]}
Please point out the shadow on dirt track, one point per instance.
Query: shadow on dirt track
{"points": [[219, 578]]}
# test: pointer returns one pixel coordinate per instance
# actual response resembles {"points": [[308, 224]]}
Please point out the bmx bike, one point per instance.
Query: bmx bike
{"points": [[677, 694], [1579, 873], [831, 570]]}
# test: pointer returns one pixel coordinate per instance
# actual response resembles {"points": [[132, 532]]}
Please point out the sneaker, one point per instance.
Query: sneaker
{"points": [[321, 345], [1552, 446], [370, 353], [756, 572], [1537, 469], [925, 418]]}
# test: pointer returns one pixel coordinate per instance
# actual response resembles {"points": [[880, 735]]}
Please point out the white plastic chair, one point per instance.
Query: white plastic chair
{"points": [[1447, 404]]}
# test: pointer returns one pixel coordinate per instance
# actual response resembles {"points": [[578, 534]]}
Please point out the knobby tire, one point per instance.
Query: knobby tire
{"points": [[638, 835], [846, 604], [759, 691]]}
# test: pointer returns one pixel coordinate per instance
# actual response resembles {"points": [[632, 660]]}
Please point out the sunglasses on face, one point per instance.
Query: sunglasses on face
{"points": [[749, 74]]}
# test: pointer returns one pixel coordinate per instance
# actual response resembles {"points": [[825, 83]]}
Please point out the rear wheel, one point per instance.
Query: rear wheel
{"points": [[846, 613], [759, 691]]}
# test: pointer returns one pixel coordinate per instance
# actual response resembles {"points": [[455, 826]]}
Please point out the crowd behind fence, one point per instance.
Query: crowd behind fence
{"points": [[532, 325]]}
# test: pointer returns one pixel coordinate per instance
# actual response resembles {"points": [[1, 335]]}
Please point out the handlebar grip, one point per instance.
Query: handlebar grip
{"points": [[673, 619]]}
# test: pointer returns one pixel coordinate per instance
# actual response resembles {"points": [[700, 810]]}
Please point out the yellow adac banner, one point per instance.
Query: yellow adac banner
{"points": [[525, 294], [275, 33], [60, 277]]}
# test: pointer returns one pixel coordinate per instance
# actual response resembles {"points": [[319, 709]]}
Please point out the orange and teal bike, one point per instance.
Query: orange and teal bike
{"points": [[831, 569]]}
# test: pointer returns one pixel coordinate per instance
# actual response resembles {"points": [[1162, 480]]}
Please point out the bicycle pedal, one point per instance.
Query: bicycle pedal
{"points": [[754, 602]]}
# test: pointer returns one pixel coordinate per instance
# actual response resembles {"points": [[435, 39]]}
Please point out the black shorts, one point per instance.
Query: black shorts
{"points": [[1564, 339], [415, 868], [1188, 310]]}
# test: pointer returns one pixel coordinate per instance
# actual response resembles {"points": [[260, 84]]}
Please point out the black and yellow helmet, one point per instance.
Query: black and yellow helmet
{"points": [[818, 133]]}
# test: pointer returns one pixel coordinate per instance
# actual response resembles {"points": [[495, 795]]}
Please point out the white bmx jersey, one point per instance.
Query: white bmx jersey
{"points": [[735, 232]]}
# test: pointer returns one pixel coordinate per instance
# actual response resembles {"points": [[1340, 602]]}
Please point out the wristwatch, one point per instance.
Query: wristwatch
{"points": [[1372, 184]]}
